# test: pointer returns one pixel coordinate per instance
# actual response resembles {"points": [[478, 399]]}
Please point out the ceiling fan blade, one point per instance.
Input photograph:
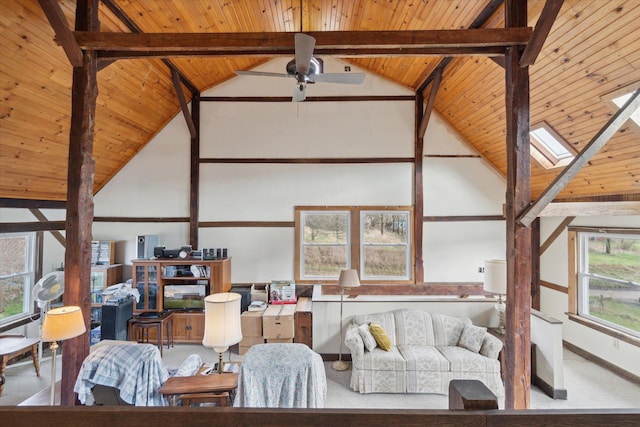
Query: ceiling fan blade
{"points": [[304, 52], [342, 78], [299, 94], [261, 73]]}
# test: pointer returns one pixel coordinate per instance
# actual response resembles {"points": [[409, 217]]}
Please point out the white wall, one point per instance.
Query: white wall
{"points": [[554, 268], [155, 183]]}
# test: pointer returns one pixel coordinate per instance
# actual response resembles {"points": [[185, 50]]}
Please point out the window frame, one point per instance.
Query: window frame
{"points": [[28, 307], [544, 156], [578, 281], [354, 245], [364, 245]]}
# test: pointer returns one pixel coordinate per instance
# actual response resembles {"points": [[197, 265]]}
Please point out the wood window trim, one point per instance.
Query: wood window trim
{"points": [[355, 243], [572, 309]]}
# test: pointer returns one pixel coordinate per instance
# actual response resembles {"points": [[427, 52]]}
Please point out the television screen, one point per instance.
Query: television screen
{"points": [[184, 297]]}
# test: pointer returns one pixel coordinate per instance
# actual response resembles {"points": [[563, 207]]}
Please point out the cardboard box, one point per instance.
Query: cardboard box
{"points": [[258, 293], [247, 343], [279, 340], [251, 323], [277, 321]]}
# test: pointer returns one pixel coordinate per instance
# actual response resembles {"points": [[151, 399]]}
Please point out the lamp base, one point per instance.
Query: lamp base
{"points": [[340, 365]]}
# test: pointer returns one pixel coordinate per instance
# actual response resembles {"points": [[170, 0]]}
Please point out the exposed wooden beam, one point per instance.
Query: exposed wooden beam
{"points": [[126, 20], [517, 349], [79, 220], [418, 186], [194, 173], [29, 203], [591, 209], [18, 227], [175, 78], [347, 43], [56, 234], [557, 232], [303, 160], [590, 150], [463, 218], [541, 31], [342, 98], [64, 35], [479, 22], [431, 102]]}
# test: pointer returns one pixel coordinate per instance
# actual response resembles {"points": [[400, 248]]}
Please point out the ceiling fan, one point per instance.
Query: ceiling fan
{"points": [[307, 69]]}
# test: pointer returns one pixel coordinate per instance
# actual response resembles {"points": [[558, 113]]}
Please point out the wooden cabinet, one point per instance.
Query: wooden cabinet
{"points": [[150, 277], [304, 322], [188, 327]]}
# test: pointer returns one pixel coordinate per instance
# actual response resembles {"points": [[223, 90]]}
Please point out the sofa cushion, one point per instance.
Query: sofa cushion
{"points": [[462, 360], [386, 320], [447, 329], [413, 327], [471, 337], [381, 337], [423, 358], [380, 360], [368, 339]]}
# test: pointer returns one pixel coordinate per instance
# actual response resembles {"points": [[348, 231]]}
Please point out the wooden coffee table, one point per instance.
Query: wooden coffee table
{"points": [[15, 345], [211, 385]]}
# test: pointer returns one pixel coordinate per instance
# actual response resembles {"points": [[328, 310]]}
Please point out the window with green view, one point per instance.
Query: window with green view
{"points": [[609, 280]]}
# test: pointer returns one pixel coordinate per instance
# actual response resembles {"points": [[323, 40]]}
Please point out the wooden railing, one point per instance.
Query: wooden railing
{"points": [[225, 416]]}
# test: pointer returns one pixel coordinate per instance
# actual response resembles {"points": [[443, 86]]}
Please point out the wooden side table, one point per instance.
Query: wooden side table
{"points": [[139, 327], [199, 387], [15, 345]]}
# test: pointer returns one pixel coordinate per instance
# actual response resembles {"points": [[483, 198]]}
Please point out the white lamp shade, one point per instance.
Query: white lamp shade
{"points": [[222, 321], [348, 279], [495, 276], [63, 323]]}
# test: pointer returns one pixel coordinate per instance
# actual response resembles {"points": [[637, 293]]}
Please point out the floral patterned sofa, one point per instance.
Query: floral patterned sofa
{"points": [[426, 352]]}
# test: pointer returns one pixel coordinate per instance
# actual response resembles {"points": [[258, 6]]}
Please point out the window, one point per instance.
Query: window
{"points": [[609, 280], [549, 148], [16, 276], [619, 97], [375, 241]]}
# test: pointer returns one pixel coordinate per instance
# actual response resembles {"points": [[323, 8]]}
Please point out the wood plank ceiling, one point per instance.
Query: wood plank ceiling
{"points": [[592, 50]]}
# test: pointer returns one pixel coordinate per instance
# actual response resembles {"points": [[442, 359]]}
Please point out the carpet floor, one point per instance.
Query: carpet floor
{"points": [[588, 385]]}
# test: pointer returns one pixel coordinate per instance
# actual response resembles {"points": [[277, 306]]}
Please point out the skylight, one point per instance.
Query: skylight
{"points": [[548, 148], [621, 100]]}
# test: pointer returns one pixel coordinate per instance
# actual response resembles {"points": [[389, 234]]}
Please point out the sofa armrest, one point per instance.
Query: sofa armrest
{"points": [[491, 346], [353, 341]]}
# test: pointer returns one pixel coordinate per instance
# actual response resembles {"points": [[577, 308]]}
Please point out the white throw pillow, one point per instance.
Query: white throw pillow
{"points": [[471, 337], [368, 339]]}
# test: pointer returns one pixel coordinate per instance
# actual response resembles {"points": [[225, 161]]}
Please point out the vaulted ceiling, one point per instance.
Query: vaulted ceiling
{"points": [[593, 49]]}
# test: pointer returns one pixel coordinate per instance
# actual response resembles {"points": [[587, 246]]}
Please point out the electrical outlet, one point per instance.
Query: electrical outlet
{"points": [[347, 68], [480, 269]]}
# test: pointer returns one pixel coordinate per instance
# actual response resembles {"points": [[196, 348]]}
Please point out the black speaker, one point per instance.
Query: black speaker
{"points": [[114, 320]]}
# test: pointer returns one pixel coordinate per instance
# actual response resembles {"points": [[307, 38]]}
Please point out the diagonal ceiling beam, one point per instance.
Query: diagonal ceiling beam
{"points": [[175, 78], [480, 20], [492, 41], [431, 102], [590, 150], [541, 32], [126, 20], [64, 35]]}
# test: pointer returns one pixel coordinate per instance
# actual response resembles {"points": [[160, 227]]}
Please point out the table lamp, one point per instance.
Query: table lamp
{"points": [[222, 323], [495, 281], [347, 279], [61, 324]]}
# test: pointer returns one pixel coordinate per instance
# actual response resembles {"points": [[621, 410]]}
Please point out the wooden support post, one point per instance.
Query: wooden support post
{"points": [[418, 193], [80, 200], [518, 339], [194, 203]]}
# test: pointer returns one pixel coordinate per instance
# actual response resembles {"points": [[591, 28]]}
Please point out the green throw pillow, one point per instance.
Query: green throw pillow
{"points": [[380, 336]]}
